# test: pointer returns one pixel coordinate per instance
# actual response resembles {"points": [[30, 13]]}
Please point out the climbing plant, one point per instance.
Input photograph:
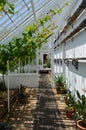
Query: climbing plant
{"points": [[24, 47], [6, 7]]}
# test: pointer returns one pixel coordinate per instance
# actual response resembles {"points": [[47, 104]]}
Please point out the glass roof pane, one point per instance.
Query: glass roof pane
{"points": [[22, 9], [25, 10]]}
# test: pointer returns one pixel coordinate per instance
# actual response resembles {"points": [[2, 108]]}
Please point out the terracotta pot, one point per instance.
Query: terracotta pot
{"points": [[59, 88], [69, 114], [79, 126]]}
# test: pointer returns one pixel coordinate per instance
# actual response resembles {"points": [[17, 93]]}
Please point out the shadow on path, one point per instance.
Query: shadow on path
{"points": [[47, 115]]}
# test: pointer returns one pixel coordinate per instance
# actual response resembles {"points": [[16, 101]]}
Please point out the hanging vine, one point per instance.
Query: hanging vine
{"points": [[6, 7], [24, 48]]}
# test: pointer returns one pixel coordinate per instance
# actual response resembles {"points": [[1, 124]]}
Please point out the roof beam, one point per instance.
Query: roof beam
{"points": [[33, 9], [26, 5], [9, 16]]}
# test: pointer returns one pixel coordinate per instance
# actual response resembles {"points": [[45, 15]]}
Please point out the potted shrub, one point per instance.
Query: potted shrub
{"points": [[70, 110], [81, 109], [60, 83], [69, 98], [70, 101], [22, 95]]}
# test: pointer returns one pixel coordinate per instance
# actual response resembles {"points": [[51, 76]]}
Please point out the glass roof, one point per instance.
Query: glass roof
{"points": [[26, 11]]}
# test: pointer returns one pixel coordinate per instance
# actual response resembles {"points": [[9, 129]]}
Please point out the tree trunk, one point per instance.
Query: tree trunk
{"points": [[4, 86]]}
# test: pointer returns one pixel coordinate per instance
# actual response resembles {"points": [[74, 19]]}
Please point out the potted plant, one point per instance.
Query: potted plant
{"points": [[60, 83], [70, 110], [81, 109], [69, 98], [22, 95], [70, 101]]}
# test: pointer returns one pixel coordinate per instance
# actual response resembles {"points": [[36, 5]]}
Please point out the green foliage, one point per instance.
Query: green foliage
{"points": [[59, 10], [60, 79], [6, 7], [49, 63], [3, 2], [31, 28], [66, 3], [60, 84], [81, 106], [40, 62], [24, 47], [1, 86], [1, 7], [54, 12], [70, 99], [3, 59], [47, 18], [69, 107], [42, 21]]}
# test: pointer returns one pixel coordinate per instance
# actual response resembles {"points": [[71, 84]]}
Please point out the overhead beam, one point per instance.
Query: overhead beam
{"points": [[26, 5], [33, 9], [8, 16]]}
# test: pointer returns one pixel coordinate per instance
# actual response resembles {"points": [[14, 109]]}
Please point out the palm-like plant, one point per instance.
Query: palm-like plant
{"points": [[81, 108], [60, 80], [60, 83]]}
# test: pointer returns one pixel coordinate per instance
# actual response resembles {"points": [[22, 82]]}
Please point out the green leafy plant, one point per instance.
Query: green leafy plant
{"points": [[60, 83], [48, 63], [40, 62], [22, 95], [6, 7], [60, 79], [54, 12], [70, 98], [25, 47], [81, 108], [1, 86], [70, 101], [69, 111], [59, 10], [66, 3]]}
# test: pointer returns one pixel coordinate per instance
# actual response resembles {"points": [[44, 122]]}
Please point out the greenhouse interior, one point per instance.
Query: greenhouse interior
{"points": [[42, 65]]}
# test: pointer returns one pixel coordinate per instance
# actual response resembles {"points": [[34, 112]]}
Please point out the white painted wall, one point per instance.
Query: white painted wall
{"points": [[58, 68], [28, 80], [73, 48], [76, 79], [77, 47], [30, 68]]}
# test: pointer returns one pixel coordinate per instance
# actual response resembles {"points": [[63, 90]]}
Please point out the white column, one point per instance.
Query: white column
{"points": [[19, 73], [37, 60], [52, 63], [42, 60], [64, 56], [33, 8], [8, 87]]}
